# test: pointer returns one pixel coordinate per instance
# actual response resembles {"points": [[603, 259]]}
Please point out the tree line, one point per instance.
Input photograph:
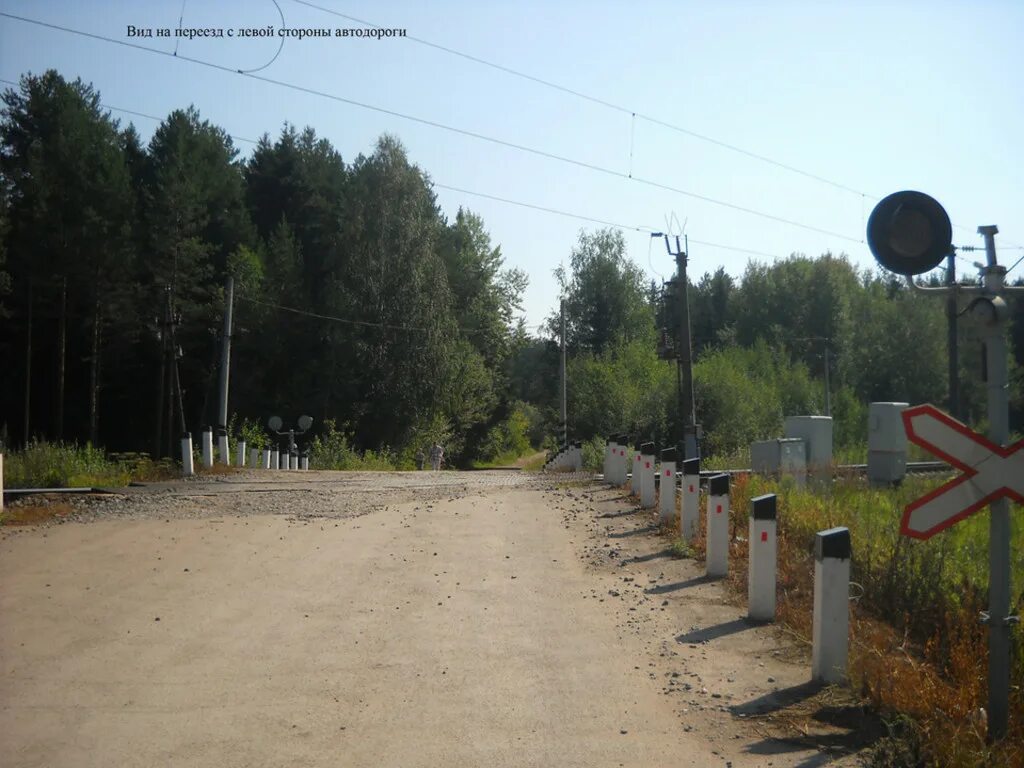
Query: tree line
{"points": [[359, 302]]}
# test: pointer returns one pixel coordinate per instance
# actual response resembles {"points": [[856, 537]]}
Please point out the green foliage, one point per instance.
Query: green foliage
{"points": [[251, 431], [605, 296], [332, 449], [509, 439], [62, 465]]}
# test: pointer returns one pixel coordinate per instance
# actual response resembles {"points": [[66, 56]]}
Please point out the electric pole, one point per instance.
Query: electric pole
{"points": [[563, 426], [684, 358], [225, 362]]}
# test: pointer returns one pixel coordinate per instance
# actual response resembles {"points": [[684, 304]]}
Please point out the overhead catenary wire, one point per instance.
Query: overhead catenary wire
{"points": [[442, 126], [602, 102], [496, 198]]}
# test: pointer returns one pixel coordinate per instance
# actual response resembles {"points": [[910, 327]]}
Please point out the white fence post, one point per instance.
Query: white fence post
{"points": [[609, 448], [266, 456], [208, 447], [241, 453], [222, 447], [718, 526], [293, 461], [667, 488], [635, 476], [761, 569], [831, 628], [621, 460], [689, 518], [187, 467], [275, 458], [647, 472], [1, 482], [305, 463], [254, 458]]}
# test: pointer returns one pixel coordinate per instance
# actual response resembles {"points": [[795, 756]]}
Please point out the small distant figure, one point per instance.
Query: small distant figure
{"points": [[436, 456], [420, 459]]}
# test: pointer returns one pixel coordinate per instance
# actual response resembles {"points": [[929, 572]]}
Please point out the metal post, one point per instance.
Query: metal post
{"points": [[828, 389], [225, 362], [951, 340], [999, 518]]}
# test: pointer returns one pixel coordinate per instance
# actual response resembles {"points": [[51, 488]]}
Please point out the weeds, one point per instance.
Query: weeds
{"points": [[918, 653]]}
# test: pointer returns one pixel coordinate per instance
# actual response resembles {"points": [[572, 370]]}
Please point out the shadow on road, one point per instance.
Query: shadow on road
{"points": [[677, 585], [667, 552], [634, 532], [715, 632]]}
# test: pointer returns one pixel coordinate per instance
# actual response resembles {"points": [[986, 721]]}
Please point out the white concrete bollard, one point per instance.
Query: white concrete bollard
{"points": [[305, 463], [275, 459], [831, 626], [761, 568], [689, 518], [609, 447], [241, 453], [718, 526], [207, 448], [1, 482], [634, 478], [293, 460], [647, 472], [254, 458], [266, 456], [667, 488], [223, 449], [187, 467]]}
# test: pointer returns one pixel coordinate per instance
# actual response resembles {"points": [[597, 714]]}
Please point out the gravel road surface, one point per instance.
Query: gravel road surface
{"points": [[374, 619]]}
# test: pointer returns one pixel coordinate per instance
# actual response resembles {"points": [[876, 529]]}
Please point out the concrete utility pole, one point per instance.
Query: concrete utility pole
{"points": [[563, 426], [828, 389], [684, 357], [225, 362]]}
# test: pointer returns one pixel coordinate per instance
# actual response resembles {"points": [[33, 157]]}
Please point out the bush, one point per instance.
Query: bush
{"points": [[62, 465], [333, 450]]}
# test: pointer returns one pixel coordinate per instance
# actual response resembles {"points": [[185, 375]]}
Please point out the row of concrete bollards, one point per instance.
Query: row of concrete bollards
{"points": [[831, 548], [267, 458]]}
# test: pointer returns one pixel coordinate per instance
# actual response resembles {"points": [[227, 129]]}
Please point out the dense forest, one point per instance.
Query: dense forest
{"points": [[359, 302]]}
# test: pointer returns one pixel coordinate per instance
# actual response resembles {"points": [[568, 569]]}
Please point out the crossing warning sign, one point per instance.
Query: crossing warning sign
{"points": [[989, 471]]}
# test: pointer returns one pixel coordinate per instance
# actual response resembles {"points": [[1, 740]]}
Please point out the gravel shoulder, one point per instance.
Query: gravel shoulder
{"points": [[376, 619]]}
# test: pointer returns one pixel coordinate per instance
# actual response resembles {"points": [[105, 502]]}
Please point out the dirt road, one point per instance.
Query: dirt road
{"points": [[373, 620]]}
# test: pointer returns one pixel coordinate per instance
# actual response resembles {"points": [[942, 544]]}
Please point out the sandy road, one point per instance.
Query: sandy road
{"points": [[454, 631]]}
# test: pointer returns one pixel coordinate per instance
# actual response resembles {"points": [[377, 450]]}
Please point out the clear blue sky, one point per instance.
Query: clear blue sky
{"points": [[878, 97]]}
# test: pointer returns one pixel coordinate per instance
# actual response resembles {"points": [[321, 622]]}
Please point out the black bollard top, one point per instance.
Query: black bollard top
{"points": [[833, 543], [718, 485], [647, 449], [668, 454], [691, 467], [763, 507]]}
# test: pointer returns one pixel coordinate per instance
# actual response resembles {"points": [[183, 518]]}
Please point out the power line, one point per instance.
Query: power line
{"points": [[496, 198], [346, 321], [602, 102], [443, 126]]}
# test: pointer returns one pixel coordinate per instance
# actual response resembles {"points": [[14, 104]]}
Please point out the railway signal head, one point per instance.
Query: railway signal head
{"points": [[275, 423], [909, 233]]}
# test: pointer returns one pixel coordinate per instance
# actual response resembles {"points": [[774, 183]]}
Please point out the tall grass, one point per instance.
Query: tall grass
{"points": [[917, 647], [61, 465], [334, 450]]}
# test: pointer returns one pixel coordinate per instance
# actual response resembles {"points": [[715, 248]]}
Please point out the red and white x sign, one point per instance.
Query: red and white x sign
{"points": [[989, 471]]}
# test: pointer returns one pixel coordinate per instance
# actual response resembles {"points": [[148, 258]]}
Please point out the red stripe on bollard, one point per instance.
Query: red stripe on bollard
{"points": [[718, 509], [764, 535]]}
